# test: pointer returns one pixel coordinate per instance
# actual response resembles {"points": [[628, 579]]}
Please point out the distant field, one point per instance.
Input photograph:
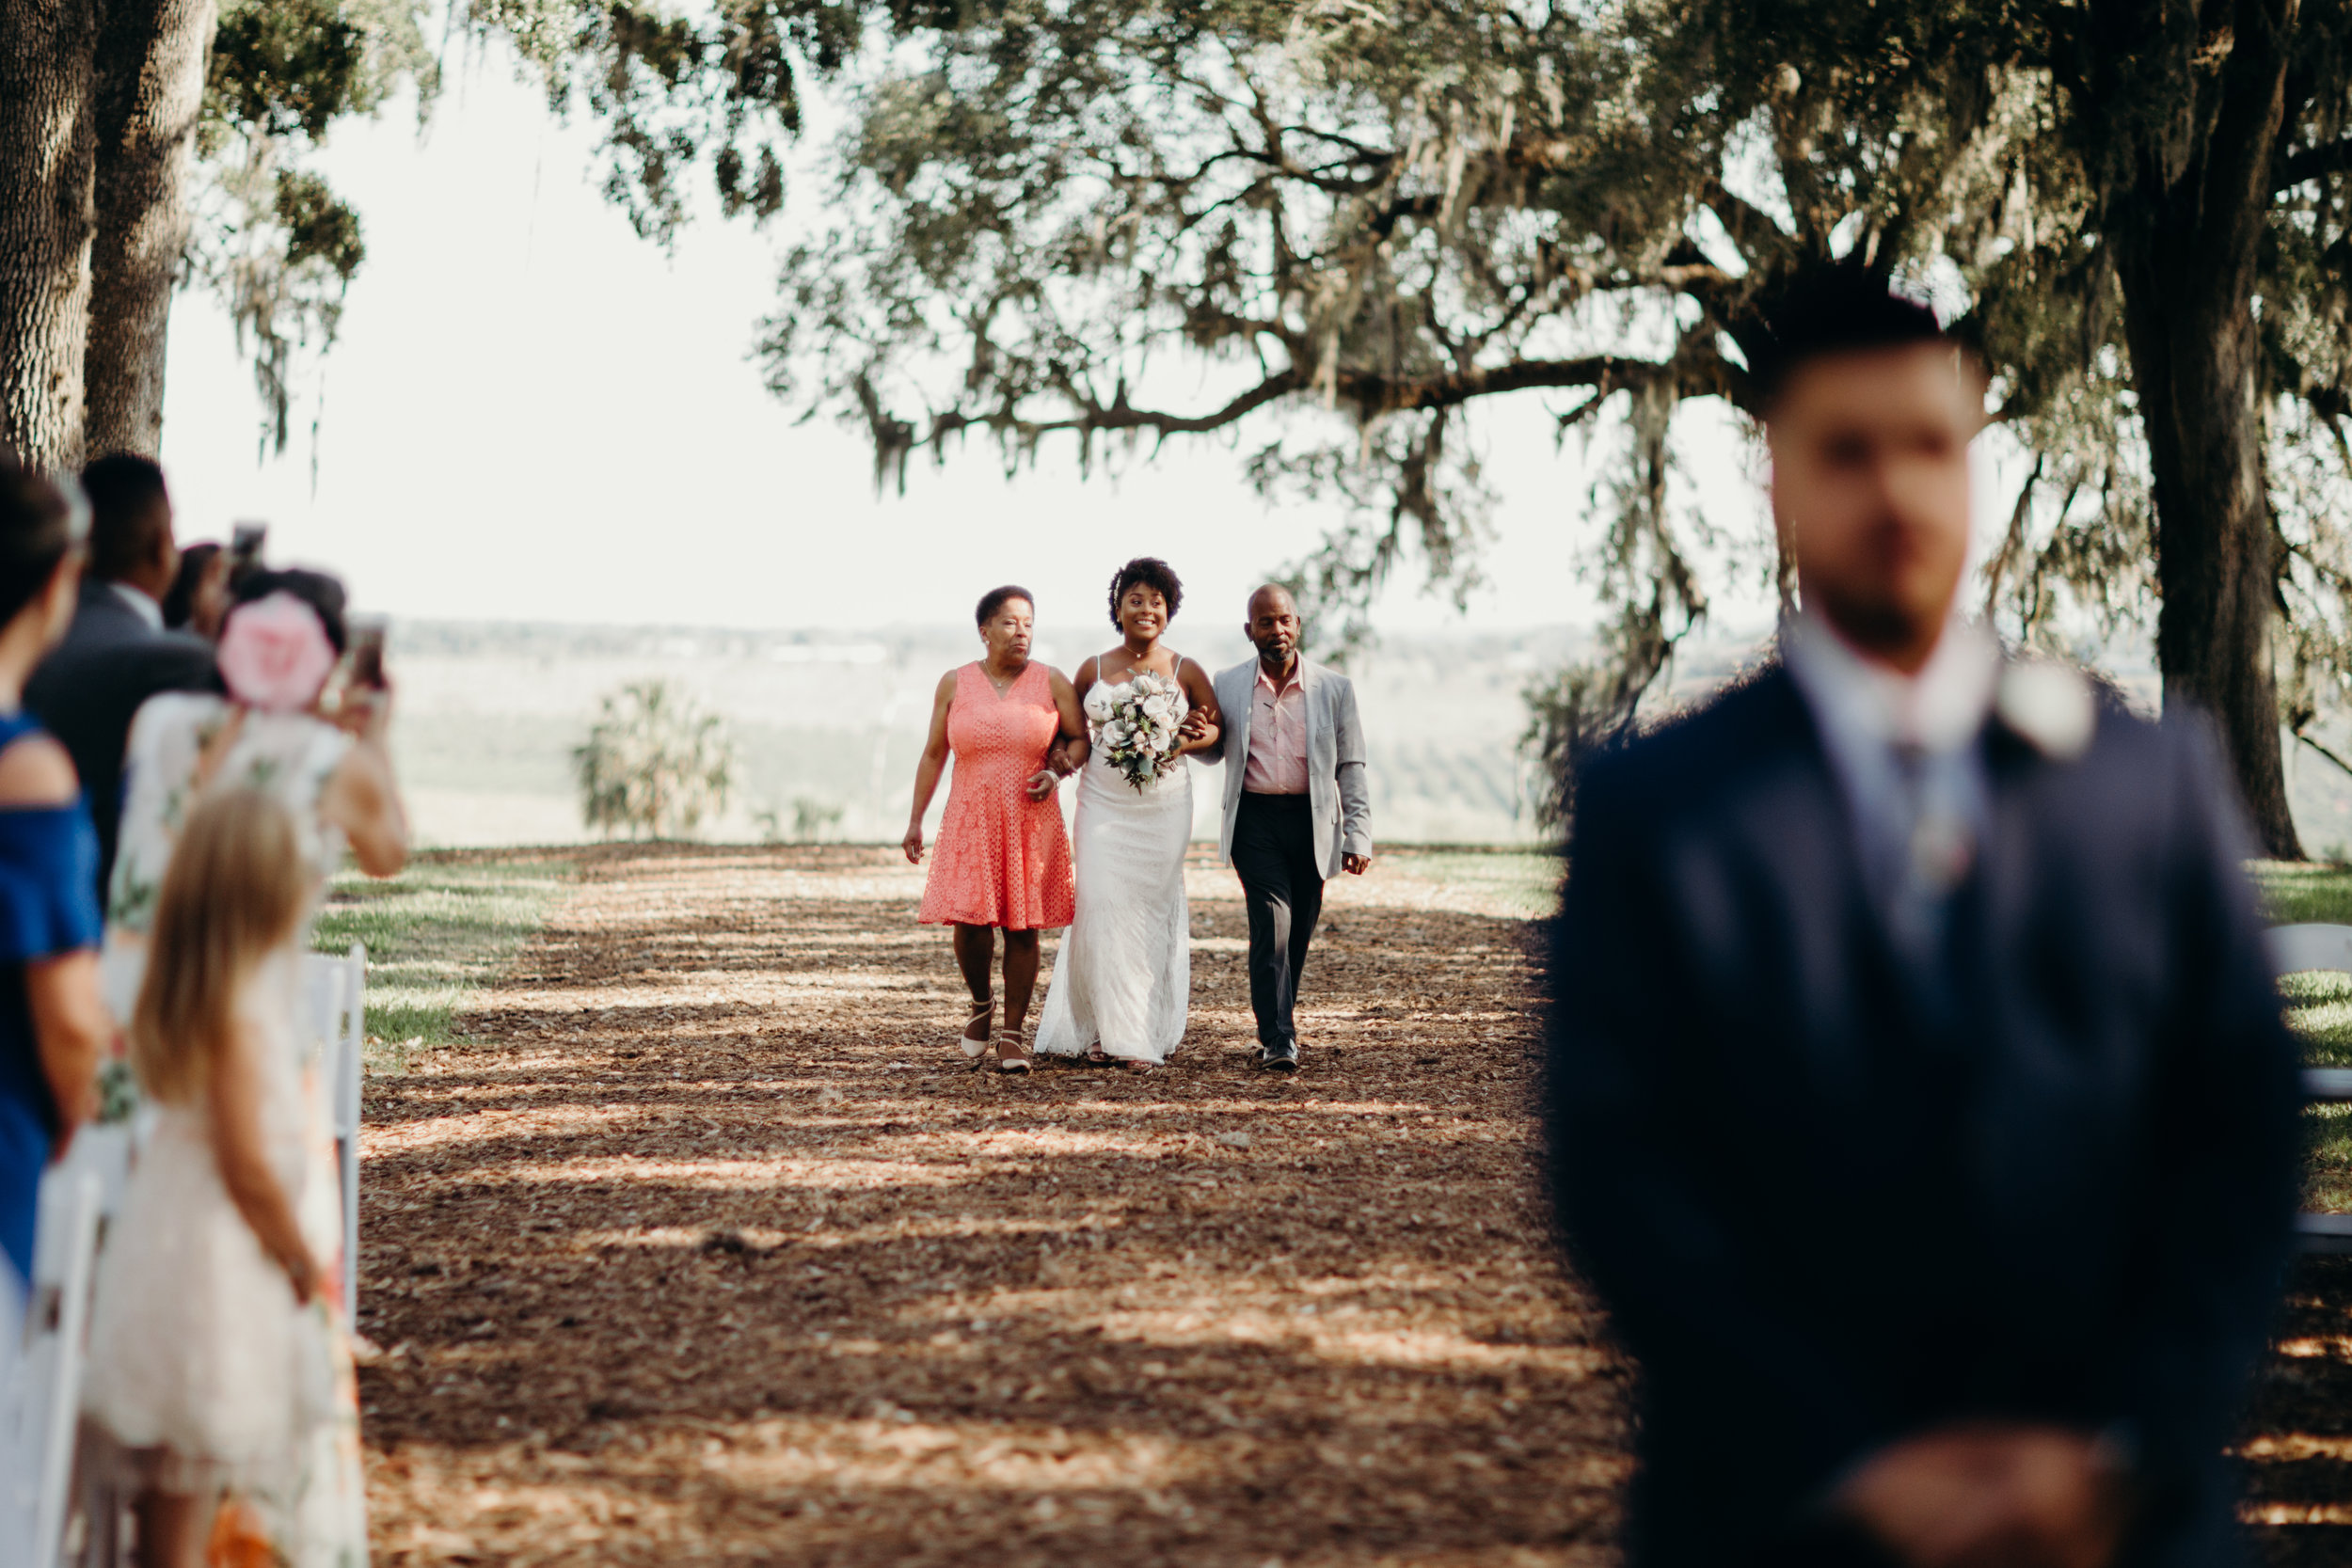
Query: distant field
{"points": [[827, 727]]}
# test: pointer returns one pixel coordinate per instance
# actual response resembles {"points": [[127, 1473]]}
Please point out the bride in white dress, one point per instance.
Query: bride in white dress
{"points": [[1124, 978]]}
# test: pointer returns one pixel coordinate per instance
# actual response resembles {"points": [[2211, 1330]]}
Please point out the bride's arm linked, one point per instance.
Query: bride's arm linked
{"points": [[1202, 731], [1068, 752]]}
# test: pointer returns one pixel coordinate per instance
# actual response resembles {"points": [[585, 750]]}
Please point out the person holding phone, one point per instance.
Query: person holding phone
{"points": [[364, 659]]}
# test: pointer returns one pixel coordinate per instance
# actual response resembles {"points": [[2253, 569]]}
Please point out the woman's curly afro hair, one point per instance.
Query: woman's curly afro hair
{"points": [[1148, 571]]}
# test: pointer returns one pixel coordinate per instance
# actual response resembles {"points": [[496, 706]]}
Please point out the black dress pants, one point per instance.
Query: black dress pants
{"points": [[1281, 881]]}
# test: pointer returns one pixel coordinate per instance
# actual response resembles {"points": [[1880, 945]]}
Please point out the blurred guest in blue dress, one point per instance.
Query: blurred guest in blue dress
{"points": [[1919, 1101], [53, 1026]]}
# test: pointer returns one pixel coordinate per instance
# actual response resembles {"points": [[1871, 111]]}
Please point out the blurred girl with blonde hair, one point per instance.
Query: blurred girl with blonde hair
{"points": [[212, 1364]]}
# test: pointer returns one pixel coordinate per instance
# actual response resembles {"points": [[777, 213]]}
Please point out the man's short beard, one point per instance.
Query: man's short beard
{"points": [[1873, 625]]}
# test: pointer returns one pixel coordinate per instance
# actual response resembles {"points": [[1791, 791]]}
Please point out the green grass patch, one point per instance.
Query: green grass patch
{"points": [[2319, 1010], [2293, 892], [1517, 881], [438, 935]]}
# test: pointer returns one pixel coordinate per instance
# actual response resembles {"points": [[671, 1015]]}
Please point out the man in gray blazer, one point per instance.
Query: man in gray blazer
{"points": [[116, 654], [1297, 809]]}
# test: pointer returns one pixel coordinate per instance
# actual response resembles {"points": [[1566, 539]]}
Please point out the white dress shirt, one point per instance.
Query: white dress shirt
{"points": [[1905, 752], [1276, 763]]}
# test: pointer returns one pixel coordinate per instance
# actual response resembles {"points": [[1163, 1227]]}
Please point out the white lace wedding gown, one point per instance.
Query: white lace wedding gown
{"points": [[1124, 977]]}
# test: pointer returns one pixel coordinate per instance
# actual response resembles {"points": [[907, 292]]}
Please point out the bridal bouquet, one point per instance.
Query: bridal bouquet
{"points": [[1135, 725]]}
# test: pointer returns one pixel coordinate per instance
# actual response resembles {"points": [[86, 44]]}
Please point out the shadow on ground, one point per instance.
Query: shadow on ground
{"points": [[2297, 1453], [705, 1248]]}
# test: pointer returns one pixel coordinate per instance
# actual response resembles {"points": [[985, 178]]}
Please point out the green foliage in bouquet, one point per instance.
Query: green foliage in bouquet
{"points": [[655, 765]]}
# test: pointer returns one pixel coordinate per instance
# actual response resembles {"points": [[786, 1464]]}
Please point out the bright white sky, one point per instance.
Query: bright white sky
{"points": [[533, 414]]}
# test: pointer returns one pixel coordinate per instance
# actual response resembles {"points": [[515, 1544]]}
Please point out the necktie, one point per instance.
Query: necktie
{"points": [[1933, 844]]}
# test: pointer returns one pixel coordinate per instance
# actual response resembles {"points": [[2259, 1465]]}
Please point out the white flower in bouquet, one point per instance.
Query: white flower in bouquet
{"points": [[1137, 728]]}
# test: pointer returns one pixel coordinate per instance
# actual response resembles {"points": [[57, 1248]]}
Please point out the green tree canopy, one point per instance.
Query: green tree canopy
{"points": [[707, 98], [1361, 222], [148, 143]]}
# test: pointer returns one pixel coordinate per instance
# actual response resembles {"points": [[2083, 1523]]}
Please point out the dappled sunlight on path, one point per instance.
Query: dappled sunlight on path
{"points": [[707, 1248]]}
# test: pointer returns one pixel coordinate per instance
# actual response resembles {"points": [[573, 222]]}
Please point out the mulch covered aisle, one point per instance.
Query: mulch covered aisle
{"points": [[708, 1250]]}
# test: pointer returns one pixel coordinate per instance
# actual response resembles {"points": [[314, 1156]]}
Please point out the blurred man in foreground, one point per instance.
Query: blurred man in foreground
{"points": [[1919, 1100]]}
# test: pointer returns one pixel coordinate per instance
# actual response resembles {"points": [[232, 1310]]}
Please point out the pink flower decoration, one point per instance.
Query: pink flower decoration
{"points": [[275, 655]]}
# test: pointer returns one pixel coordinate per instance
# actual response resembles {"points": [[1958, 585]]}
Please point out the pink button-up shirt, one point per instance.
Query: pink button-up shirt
{"points": [[1278, 736]]}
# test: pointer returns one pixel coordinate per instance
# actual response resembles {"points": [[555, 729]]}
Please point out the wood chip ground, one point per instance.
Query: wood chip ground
{"points": [[707, 1249]]}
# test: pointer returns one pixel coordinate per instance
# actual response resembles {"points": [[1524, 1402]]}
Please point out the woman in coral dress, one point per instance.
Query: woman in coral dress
{"points": [[1003, 856]]}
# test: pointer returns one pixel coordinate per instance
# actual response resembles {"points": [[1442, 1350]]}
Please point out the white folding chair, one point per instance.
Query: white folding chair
{"points": [[337, 994], [40, 1394], [16, 1461], [2303, 950], [350, 1068], [106, 1153]]}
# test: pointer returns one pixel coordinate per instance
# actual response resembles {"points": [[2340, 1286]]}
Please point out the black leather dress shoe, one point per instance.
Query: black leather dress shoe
{"points": [[1280, 1058]]}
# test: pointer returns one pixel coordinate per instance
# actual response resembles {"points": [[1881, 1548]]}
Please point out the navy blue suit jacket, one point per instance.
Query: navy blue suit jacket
{"points": [[91, 686], [1833, 1198]]}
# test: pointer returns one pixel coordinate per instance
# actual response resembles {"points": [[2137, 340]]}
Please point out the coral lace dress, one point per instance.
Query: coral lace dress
{"points": [[1002, 859]]}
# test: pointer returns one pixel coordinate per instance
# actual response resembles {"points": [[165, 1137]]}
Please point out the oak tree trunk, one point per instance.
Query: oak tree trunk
{"points": [[2186, 228], [2216, 559], [148, 86], [47, 153]]}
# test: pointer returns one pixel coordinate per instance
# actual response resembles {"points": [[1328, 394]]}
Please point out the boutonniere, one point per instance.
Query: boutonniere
{"points": [[2049, 706]]}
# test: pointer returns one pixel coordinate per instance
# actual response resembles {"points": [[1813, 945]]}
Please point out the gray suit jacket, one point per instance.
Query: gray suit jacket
{"points": [[91, 686], [1338, 792]]}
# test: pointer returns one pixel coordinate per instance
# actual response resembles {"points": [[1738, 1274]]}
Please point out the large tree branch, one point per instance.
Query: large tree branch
{"points": [[2239, 152], [1369, 393]]}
